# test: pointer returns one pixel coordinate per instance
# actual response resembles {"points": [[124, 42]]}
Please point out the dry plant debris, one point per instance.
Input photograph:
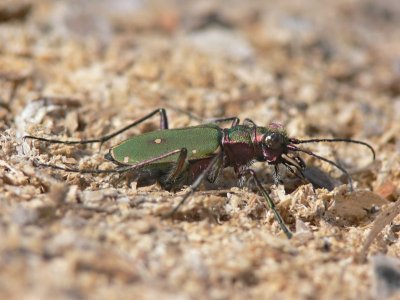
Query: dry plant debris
{"points": [[73, 69]]}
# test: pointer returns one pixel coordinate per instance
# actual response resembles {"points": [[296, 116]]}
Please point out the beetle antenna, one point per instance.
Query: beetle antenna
{"points": [[296, 141], [294, 148]]}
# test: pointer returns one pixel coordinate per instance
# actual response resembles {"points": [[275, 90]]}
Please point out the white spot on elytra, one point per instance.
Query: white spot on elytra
{"points": [[157, 141], [126, 159]]}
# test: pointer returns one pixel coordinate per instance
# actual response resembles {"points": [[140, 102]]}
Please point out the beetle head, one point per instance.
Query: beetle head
{"points": [[274, 144], [278, 148]]}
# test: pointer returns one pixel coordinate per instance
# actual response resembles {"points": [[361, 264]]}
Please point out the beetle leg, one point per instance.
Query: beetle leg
{"points": [[235, 120], [178, 168], [276, 176], [102, 139], [294, 162], [248, 122], [291, 170], [270, 203], [196, 184], [122, 169], [215, 171]]}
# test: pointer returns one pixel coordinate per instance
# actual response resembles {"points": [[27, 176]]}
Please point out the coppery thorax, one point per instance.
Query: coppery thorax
{"points": [[241, 146]]}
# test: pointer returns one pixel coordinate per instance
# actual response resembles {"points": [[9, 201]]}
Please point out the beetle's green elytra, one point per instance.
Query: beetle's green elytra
{"points": [[152, 144]]}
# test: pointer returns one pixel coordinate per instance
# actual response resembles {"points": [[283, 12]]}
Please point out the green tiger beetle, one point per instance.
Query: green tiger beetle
{"points": [[189, 155]]}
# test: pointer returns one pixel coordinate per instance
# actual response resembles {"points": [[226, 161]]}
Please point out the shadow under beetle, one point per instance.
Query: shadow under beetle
{"points": [[190, 155]]}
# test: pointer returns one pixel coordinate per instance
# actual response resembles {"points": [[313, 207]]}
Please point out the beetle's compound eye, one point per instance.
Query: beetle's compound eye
{"points": [[274, 140]]}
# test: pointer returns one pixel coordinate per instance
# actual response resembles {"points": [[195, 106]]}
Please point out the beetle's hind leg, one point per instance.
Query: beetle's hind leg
{"points": [[102, 139], [174, 175], [269, 201], [119, 169], [192, 188]]}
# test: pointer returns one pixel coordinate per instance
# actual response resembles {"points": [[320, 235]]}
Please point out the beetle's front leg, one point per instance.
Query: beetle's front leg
{"points": [[235, 121], [269, 201], [241, 180], [276, 176]]}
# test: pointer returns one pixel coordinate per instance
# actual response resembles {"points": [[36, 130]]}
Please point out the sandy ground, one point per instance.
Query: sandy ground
{"points": [[74, 69]]}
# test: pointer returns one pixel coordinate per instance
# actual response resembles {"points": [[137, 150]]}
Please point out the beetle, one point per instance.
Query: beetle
{"points": [[189, 155]]}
